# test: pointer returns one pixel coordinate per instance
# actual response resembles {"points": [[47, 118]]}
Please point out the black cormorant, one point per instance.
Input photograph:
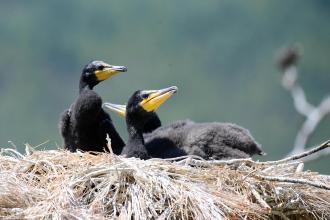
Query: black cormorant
{"points": [[151, 124], [213, 140], [85, 124], [140, 108]]}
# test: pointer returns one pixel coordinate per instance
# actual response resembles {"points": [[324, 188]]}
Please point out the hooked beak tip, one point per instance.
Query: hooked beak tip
{"points": [[120, 68], [124, 69]]}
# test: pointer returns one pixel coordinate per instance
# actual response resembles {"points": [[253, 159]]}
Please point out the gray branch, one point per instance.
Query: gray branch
{"points": [[310, 125], [301, 104], [314, 114]]}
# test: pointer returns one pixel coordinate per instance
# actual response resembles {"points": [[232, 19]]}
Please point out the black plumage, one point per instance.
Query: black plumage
{"points": [[151, 124], [135, 121], [85, 124], [140, 108], [213, 140]]}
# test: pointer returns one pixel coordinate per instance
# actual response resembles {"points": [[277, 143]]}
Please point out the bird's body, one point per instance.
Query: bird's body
{"points": [[208, 140], [212, 140], [85, 124]]}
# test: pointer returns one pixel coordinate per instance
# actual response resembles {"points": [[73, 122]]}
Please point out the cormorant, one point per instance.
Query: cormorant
{"points": [[213, 140], [140, 109], [85, 124], [151, 124]]}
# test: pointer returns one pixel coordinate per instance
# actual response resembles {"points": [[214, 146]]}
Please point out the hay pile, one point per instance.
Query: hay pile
{"points": [[57, 184]]}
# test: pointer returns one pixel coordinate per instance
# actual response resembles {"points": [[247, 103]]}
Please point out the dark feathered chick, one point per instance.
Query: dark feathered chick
{"points": [[85, 124], [208, 140], [213, 140], [140, 108], [151, 124]]}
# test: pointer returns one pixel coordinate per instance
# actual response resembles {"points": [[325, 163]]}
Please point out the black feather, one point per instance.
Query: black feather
{"points": [[85, 125], [208, 140]]}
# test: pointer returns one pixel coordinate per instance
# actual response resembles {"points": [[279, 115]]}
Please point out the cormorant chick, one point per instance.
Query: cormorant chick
{"points": [[140, 108], [85, 124], [208, 140], [213, 140], [151, 124]]}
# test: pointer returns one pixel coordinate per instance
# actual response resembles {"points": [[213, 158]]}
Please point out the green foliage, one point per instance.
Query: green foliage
{"points": [[219, 54]]}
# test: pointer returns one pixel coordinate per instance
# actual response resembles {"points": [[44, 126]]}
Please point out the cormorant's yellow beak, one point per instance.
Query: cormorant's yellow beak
{"points": [[119, 109], [155, 98], [109, 71]]}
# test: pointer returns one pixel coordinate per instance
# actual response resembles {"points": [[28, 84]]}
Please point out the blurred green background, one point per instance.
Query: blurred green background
{"points": [[220, 53]]}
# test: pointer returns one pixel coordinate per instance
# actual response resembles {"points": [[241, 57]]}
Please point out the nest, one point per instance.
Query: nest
{"points": [[57, 184]]}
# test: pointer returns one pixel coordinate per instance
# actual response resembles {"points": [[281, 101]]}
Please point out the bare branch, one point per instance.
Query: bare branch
{"points": [[310, 124], [302, 155], [318, 149], [287, 63], [292, 180], [300, 102], [317, 155]]}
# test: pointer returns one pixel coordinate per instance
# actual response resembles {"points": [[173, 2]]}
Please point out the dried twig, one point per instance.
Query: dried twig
{"points": [[258, 197], [52, 184], [301, 155], [292, 180], [249, 161], [109, 144]]}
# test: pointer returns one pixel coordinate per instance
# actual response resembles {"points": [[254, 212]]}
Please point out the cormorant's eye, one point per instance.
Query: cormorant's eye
{"points": [[100, 67], [145, 96]]}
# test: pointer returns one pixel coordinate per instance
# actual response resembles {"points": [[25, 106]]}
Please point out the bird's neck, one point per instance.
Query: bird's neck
{"points": [[84, 85], [152, 124], [135, 136], [87, 107], [135, 144]]}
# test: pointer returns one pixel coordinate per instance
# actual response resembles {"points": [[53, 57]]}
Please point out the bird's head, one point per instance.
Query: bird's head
{"points": [[142, 104], [98, 71]]}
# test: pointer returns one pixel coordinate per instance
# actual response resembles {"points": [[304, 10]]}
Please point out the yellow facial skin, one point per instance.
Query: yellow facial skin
{"points": [[109, 71], [156, 98]]}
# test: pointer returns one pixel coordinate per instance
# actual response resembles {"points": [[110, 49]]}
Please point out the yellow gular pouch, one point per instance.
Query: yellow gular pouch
{"points": [[157, 98], [105, 73]]}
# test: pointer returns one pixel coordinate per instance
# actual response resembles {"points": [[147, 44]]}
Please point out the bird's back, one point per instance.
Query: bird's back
{"points": [[221, 140], [208, 140]]}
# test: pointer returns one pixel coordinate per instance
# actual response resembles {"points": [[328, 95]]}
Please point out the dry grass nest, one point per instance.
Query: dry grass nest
{"points": [[57, 184]]}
